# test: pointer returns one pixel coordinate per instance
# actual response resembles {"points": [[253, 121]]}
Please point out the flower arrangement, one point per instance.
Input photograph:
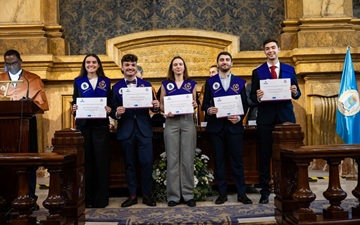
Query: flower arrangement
{"points": [[203, 177]]}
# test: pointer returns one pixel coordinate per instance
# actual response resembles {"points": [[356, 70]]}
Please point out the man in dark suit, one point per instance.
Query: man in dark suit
{"points": [[226, 134], [271, 113], [135, 133]]}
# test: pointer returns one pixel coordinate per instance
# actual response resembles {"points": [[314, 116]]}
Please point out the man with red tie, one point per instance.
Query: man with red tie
{"points": [[271, 113]]}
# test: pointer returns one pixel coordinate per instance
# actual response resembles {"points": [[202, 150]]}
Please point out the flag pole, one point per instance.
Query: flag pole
{"points": [[353, 174]]}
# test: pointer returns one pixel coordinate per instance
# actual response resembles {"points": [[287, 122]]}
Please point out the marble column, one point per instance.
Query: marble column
{"points": [[32, 26], [319, 23]]}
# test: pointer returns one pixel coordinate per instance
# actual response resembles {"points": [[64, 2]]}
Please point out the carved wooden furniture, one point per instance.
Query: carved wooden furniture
{"points": [[15, 119], [293, 194], [65, 201], [23, 202]]}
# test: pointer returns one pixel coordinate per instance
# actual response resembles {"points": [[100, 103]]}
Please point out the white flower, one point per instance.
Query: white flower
{"points": [[198, 151], [205, 157], [196, 181], [163, 156]]}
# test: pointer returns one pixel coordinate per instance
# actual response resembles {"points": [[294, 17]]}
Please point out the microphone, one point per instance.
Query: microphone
{"points": [[27, 90]]}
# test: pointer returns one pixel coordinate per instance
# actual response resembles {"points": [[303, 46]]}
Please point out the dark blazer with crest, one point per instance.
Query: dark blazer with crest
{"points": [[215, 124]]}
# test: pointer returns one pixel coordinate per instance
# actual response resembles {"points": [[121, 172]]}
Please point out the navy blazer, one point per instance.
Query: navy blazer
{"points": [[214, 124], [269, 109], [92, 122], [131, 117]]}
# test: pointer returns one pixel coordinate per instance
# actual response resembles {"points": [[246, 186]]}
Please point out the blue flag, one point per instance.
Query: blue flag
{"points": [[348, 106]]}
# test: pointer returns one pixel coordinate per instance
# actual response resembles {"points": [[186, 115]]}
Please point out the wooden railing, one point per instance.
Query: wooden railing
{"points": [[293, 195], [65, 200]]}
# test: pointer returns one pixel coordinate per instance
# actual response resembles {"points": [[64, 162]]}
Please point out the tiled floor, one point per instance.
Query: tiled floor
{"points": [[317, 187]]}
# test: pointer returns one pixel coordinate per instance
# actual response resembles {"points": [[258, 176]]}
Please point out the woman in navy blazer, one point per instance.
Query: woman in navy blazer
{"points": [[92, 83]]}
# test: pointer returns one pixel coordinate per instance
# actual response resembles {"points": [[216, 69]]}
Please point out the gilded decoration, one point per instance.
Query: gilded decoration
{"points": [[88, 24]]}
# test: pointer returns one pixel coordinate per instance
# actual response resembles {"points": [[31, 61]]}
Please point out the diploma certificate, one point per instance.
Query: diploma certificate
{"points": [[90, 108], [178, 104], [137, 97], [229, 106], [276, 89]]}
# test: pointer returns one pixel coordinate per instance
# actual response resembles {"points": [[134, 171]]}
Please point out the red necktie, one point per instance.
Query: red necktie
{"points": [[273, 72]]}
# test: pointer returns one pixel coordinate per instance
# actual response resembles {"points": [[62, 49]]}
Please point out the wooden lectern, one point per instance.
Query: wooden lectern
{"points": [[14, 124], [15, 119]]}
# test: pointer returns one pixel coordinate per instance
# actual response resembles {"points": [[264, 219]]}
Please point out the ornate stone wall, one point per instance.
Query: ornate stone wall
{"points": [[88, 24]]}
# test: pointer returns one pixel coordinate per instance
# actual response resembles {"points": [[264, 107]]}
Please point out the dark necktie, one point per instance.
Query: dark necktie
{"points": [[130, 82], [273, 72]]}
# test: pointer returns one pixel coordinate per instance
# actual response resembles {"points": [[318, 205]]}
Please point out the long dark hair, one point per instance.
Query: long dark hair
{"points": [[99, 71], [170, 73]]}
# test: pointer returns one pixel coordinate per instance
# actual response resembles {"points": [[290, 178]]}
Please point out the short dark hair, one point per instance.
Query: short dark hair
{"points": [[129, 58], [223, 53], [12, 52], [270, 40]]}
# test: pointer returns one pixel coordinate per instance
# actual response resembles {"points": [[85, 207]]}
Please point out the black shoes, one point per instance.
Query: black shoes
{"points": [[172, 204], [221, 199], [191, 203], [264, 199], [133, 201], [244, 199], [148, 201], [129, 202]]}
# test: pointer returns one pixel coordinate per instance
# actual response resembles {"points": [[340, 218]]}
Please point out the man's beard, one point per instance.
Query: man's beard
{"points": [[224, 70]]}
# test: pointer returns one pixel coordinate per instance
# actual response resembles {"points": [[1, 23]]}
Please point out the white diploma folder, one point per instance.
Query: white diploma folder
{"points": [[178, 104], [229, 106], [137, 97], [276, 89], [90, 108]]}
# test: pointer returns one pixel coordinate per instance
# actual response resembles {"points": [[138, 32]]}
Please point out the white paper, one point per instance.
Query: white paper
{"points": [[276, 89], [229, 106], [178, 104], [137, 97], [90, 108]]}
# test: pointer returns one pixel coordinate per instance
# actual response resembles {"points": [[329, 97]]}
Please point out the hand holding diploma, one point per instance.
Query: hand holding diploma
{"points": [[91, 108], [278, 90], [179, 104], [121, 109], [228, 106]]}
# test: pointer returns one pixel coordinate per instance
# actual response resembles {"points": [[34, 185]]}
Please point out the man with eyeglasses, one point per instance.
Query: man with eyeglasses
{"points": [[32, 88]]}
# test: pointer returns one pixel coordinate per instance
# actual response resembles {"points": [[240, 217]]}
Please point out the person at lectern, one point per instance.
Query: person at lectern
{"points": [[271, 112], [30, 88], [226, 131], [134, 129], [92, 83], [179, 134]]}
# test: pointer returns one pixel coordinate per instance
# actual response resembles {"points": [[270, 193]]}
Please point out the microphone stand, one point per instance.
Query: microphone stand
{"points": [[26, 97]]}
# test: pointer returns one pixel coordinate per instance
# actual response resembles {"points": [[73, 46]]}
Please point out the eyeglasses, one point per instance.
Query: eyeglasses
{"points": [[12, 64]]}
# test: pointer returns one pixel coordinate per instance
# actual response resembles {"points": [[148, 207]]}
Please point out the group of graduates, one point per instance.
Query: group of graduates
{"points": [[134, 127]]}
